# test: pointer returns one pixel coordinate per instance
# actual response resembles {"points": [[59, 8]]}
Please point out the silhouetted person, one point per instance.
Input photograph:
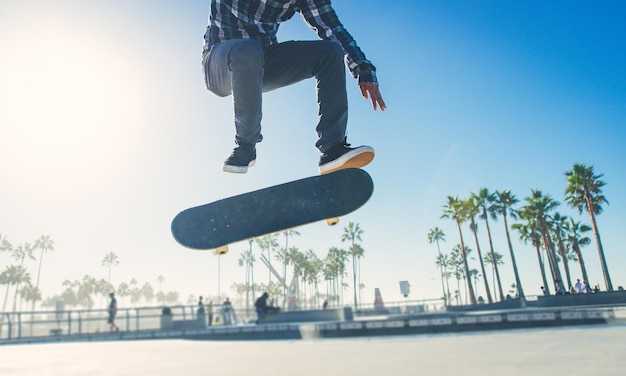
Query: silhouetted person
{"points": [[112, 314]]}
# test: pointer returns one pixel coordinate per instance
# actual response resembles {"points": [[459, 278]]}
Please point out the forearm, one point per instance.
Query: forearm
{"points": [[321, 17]]}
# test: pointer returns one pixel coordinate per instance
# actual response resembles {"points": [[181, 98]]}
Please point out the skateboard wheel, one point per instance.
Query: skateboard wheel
{"points": [[221, 250], [332, 221]]}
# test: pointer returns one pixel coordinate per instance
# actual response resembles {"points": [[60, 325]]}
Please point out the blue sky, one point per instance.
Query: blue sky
{"points": [[108, 132]]}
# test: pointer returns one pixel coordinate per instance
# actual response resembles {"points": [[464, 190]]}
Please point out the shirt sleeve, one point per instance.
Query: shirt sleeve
{"points": [[321, 17]]}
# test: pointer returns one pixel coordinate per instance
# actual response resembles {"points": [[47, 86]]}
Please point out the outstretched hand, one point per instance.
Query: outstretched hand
{"points": [[370, 91]]}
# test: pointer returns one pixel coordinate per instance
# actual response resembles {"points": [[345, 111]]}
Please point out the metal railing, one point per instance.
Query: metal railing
{"points": [[51, 323], [19, 325]]}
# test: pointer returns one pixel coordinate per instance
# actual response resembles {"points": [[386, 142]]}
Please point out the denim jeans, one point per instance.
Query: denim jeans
{"points": [[245, 69]]}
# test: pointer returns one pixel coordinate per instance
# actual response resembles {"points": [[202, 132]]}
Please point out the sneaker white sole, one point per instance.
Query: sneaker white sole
{"points": [[237, 169], [356, 158]]}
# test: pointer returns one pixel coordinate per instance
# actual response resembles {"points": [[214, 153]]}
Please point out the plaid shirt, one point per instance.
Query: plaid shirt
{"points": [[259, 20]]}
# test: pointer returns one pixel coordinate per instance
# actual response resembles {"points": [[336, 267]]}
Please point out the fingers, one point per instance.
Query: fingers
{"points": [[371, 91]]}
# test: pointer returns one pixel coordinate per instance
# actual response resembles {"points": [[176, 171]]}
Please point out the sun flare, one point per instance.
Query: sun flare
{"points": [[67, 106]]}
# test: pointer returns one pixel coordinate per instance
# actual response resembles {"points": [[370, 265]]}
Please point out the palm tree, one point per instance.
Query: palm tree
{"points": [[289, 233], [45, 244], [30, 293], [443, 262], [22, 276], [457, 257], [487, 203], [10, 276], [103, 288], [334, 269], [247, 259], [23, 251], [504, 203], [456, 264], [160, 280], [435, 235], [147, 292], [558, 223], [455, 210], [584, 191], [123, 290], [537, 211], [494, 258], [5, 245], [353, 233], [109, 260], [528, 232], [360, 253], [295, 258], [312, 271], [268, 242], [575, 239], [472, 209]]}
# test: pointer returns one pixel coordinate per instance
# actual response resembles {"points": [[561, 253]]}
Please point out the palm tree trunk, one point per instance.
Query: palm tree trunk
{"points": [[518, 282], [581, 262], [542, 267], [482, 264], [565, 263], [493, 257], [6, 297], [596, 234], [356, 304], [472, 296], [443, 289], [554, 266], [358, 260]]}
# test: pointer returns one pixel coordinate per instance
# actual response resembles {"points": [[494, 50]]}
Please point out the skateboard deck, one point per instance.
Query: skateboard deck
{"points": [[272, 209]]}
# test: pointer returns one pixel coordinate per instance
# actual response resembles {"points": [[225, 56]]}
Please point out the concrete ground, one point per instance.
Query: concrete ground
{"points": [[587, 350]]}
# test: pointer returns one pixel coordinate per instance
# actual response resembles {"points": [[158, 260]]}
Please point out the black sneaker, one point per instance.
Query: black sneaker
{"points": [[242, 157], [342, 156]]}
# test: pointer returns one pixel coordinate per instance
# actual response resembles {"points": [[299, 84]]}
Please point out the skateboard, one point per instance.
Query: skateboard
{"points": [[273, 209]]}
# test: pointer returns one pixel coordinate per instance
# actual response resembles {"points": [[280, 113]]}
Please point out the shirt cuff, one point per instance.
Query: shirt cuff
{"points": [[368, 77]]}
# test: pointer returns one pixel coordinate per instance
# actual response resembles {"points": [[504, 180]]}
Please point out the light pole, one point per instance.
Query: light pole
{"points": [[219, 252]]}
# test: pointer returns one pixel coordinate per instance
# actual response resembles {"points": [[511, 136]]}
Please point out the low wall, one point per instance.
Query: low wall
{"points": [[319, 315], [505, 304], [598, 298]]}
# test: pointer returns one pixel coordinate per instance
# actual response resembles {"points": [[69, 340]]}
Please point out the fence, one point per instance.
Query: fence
{"points": [[18, 325], [33, 324]]}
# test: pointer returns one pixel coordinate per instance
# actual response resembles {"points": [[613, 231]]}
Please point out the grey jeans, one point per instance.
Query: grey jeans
{"points": [[245, 69]]}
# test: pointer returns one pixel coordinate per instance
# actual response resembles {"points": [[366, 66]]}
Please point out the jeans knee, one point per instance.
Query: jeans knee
{"points": [[247, 52], [334, 51]]}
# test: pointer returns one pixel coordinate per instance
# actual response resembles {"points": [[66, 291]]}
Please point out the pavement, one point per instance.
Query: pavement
{"points": [[579, 350]]}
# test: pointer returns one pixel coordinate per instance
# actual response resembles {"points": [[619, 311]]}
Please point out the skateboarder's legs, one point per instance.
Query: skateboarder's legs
{"points": [[245, 69]]}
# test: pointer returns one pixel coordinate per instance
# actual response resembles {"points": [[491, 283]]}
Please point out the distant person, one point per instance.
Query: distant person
{"points": [[596, 288], [292, 301], [580, 289], [227, 312], [558, 287], [572, 290], [325, 305], [201, 313], [261, 306], [201, 310], [544, 291], [112, 313], [586, 287], [209, 311]]}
